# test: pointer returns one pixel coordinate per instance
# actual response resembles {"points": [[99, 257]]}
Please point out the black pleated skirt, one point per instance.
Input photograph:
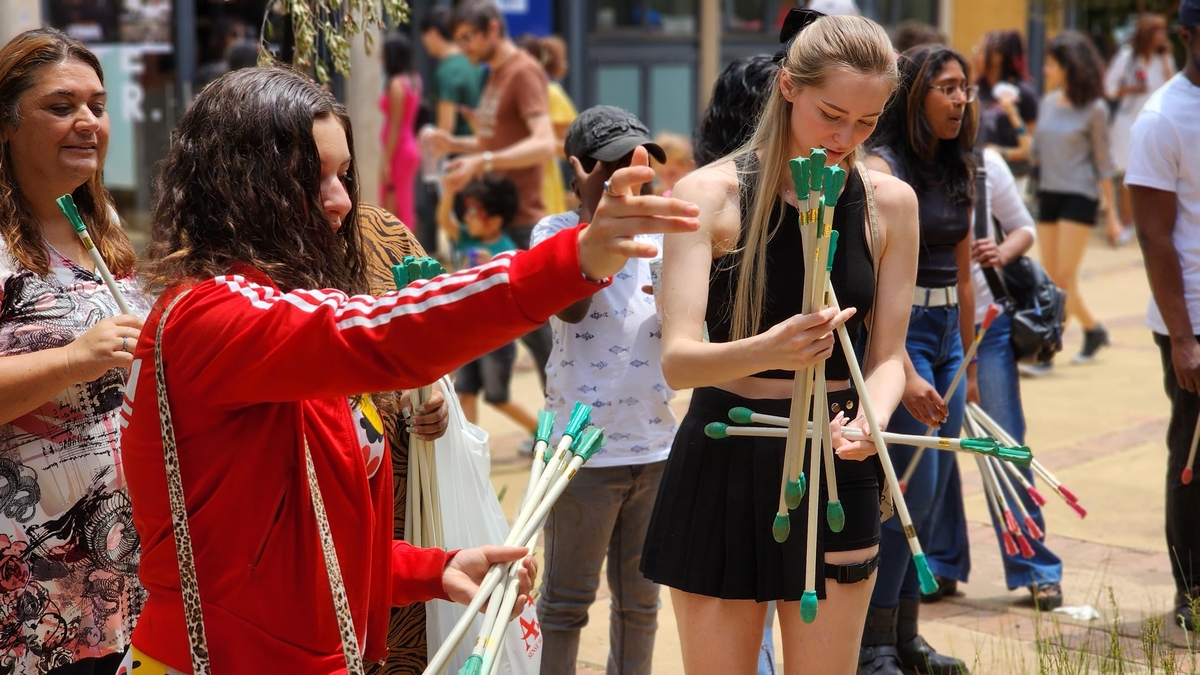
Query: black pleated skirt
{"points": [[710, 533]]}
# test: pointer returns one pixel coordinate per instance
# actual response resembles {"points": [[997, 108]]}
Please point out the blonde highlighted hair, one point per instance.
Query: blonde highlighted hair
{"points": [[828, 45]]}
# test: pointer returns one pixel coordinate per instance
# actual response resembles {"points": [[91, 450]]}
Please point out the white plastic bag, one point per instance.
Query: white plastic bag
{"points": [[471, 516]]}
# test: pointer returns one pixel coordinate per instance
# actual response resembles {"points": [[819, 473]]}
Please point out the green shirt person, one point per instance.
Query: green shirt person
{"points": [[457, 82]]}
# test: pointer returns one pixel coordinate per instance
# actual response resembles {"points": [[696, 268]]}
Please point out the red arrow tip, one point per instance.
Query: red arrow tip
{"points": [[1037, 497], [1187, 476], [1010, 546], [1078, 509], [1034, 530], [1026, 549], [993, 311], [1070, 496]]}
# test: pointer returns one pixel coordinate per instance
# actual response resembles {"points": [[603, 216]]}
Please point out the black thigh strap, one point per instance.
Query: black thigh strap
{"points": [[852, 573]]}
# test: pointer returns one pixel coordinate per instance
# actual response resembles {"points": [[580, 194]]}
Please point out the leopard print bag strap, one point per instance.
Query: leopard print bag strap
{"points": [[341, 604], [189, 589], [183, 539]]}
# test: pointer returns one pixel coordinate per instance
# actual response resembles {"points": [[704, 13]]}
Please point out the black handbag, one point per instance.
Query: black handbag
{"points": [[1038, 307]]}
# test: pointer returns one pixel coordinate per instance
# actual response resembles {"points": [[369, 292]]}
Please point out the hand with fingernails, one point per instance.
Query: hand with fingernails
{"points": [[923, 401], [855, 450], [622, 213], [466, 570], [429, 421], [107, 345]]}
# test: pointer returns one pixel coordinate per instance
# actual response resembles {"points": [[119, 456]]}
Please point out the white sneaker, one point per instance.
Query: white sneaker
{"points": [[1040, 369]]}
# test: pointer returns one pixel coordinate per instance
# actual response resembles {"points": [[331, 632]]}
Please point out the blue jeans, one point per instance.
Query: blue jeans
{"points": [[1000, 398], [935, 348]]}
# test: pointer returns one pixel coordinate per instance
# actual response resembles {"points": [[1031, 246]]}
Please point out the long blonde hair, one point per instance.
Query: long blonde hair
{"points": [[829, 44]]}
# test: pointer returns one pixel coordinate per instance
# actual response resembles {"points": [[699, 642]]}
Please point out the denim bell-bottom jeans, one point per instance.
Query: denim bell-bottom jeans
{"points": [[948, 549], [935, 348]]}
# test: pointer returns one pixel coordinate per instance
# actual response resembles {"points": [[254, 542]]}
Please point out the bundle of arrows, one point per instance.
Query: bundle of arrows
{"points": [[818, 187], [551, 472], [423, 512]]}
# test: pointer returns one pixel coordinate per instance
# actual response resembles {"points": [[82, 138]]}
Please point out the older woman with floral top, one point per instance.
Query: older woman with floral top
{"points": [[69, 594]]}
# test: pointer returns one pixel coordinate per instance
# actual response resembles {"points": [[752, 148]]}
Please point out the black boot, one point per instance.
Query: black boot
{"points": [[915, 653], [878, 654]]}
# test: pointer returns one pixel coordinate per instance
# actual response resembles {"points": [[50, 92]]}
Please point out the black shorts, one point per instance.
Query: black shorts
{"points": [[1056, 206], [710, 533], [491, 372]]}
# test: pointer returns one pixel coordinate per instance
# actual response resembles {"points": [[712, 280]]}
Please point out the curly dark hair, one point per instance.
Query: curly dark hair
{"points": [[1083, 69], [20, 61], [242, 184], [732, 114], [929, 162], [496, 195]]}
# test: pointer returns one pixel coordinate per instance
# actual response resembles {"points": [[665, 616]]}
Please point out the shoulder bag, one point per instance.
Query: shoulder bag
{"points": [[1038, 307]]}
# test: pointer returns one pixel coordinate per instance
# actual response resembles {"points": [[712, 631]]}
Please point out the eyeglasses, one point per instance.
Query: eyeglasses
{"points": [[953, 91], [465, 37]]}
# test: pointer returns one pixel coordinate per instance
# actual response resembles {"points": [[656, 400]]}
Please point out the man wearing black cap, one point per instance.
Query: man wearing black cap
{"points": [[607, 353], [1164, 188]]}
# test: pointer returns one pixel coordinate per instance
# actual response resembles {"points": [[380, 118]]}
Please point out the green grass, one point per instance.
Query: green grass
{"points": [[1063, 647]]}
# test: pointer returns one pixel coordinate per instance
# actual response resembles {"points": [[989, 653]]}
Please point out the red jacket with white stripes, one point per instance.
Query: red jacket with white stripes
{"points": [[252, 373]]}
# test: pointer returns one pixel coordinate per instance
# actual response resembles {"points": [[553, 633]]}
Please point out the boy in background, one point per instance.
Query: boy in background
{"points": [[607, 353], [484, 208]]}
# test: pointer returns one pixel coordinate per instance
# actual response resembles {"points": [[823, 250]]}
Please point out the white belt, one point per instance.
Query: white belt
{"points": [[935, 297]]}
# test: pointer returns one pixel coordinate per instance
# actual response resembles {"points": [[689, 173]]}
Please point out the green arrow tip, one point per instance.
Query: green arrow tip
{"points": [[581, 414], [833, 239], [808, 606], [545, 426], [1019, 455], [592, 441], [741, 415], [835, 178], [716, 430], [835, 515], [66, 203], [929, 585], [473, 666], [782, 527], [794, 491]]}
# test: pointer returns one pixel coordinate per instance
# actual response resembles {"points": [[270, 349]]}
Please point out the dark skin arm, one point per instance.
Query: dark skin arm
{"points": [[588, 188], [1154, 214]]}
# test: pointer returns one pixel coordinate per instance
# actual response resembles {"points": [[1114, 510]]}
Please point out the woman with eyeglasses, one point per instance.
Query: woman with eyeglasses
{"points": [[925, 139]]}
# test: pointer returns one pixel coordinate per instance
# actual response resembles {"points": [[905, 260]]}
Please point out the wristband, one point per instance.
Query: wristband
{"points": [[487, 161]]}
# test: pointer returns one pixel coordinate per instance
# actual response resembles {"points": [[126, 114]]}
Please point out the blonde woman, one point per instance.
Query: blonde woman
{"points": [[710, 536]]}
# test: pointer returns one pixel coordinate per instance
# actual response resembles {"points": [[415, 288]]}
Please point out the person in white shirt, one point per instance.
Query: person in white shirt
{"points": [[606, 352], [1163, 178], [998, 393]]}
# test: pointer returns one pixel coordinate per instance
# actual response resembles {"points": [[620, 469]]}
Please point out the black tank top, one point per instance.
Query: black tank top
{"points": [[943, 225], [853, 274]]}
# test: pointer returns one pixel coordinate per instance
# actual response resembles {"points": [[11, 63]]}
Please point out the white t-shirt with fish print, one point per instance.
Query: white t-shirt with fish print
{"points": [[612, 360]]}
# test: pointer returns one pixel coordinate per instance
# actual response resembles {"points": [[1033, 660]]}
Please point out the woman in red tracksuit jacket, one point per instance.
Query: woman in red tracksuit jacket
{"points": [[256, 202]]}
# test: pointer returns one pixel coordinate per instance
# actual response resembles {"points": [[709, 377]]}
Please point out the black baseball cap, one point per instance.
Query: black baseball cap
{"points": [[1189, 12], [606, 133]]}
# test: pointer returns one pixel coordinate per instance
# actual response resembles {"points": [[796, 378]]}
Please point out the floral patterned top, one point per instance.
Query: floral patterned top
{"points": [[68, 549]]}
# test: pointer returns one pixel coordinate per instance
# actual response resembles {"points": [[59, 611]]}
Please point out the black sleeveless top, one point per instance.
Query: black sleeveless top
{"points": [[943, 226], [853, 274]]}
